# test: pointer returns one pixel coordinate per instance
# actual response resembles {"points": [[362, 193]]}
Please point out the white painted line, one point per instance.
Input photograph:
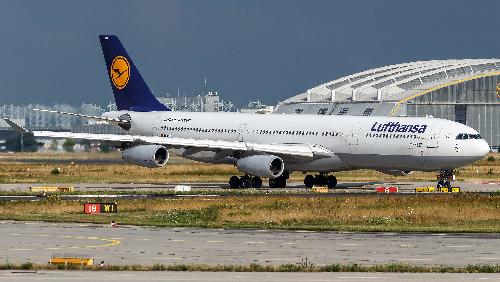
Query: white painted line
{"points": [[177, 240], [214, 241], [290, 243], [253, 243], [464, 246], [21, 249], [488, 258], [305, 231], [141, 239], [406, 246]]}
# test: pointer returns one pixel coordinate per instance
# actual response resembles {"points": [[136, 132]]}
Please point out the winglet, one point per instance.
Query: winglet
{"points": [[16, 127]]}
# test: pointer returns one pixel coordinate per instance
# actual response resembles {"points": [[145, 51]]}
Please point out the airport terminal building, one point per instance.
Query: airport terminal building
{"points": [[466, 91]]}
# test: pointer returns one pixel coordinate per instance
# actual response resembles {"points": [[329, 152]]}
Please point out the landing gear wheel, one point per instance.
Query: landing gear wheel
{"points": [[309, 181], [320, 180], [256, 182], [245, 182], [331, 181], [273, 183], [278, 182], [444, 179], [234, 182]]}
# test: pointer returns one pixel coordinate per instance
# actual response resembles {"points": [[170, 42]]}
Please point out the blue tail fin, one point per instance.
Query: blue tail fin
{"points": [[130, 91]]}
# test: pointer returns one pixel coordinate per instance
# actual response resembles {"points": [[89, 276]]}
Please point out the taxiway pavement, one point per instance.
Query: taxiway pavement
{"points": [[39, 241], [355, 187]]}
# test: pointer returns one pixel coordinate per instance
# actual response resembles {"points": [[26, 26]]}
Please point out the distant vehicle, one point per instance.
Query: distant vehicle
{"points": [[271, 146]]}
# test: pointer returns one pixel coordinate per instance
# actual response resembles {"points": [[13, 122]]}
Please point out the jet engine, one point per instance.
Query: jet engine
{"points": [[261, 165], [151, 156], [397, 172]]}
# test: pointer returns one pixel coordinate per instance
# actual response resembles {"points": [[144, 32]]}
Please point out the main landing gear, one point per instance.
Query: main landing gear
{"points": [[247, 181], [444, 178], [320, 180]]}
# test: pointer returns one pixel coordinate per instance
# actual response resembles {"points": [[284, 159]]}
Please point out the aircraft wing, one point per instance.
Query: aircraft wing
{"points": [[290, 150]]}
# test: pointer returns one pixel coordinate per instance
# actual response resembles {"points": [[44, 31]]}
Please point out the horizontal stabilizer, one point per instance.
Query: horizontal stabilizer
{"points": [[16, 127], [118, 122]]}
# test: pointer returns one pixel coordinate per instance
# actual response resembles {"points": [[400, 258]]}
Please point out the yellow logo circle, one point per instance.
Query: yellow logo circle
{"points": [[120, 72], [498, 90]]}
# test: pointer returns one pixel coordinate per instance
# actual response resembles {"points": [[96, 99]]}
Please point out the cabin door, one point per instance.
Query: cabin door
{"points": [[241, 132]]}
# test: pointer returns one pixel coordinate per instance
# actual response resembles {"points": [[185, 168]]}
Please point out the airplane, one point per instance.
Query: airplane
{"points": [[273, 145]]}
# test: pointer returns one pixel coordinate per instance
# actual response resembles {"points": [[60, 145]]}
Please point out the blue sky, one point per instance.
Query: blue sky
{"points": [[268, 50]]}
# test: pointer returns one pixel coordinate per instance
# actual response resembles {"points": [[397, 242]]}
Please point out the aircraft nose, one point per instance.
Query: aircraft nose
{"points": [[483, 148]]}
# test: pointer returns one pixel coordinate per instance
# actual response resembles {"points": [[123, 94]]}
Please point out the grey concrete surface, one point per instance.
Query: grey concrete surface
{"points": [[482, 186], [38, 241], [239, 276]]}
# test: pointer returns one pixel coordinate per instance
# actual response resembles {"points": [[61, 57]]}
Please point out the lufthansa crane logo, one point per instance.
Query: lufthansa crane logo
{"points": [[120, 72], [498, 90]]}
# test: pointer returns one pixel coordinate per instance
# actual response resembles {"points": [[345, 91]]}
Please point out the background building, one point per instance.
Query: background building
{"points": [[466, 91]]}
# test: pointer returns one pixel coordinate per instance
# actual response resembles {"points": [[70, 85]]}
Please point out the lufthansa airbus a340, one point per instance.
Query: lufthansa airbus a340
{"points": [[271, 146]]}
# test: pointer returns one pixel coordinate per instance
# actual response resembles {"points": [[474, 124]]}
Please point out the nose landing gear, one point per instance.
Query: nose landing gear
{"points": [[444, 178], [320, 180]]}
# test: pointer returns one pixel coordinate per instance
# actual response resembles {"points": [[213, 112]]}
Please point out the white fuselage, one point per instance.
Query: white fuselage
{"points": [[382, 143]]}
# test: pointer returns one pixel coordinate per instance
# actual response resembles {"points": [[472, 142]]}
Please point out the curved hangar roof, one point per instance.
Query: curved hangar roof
{"points": [[397, 82]]}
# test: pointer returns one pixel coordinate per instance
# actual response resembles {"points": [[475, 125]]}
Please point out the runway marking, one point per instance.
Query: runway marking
{"points": [[214, 241], [406, 246], [305, 231], [106, 242], [488, 258], [177, 240], [290, 243], [141, 239], [461, 246], [253, 243]]}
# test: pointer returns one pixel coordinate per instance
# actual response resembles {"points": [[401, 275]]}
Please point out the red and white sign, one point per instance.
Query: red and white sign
{"points": [[392, 189], [92, 208]]}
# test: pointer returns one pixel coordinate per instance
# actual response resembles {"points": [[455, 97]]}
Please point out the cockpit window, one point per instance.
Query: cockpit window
{"points": [[464, 136]]}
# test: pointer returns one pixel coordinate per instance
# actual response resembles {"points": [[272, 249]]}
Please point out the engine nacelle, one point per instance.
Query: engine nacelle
{"points": [[397, 172], [261, 165], [151, 156]]}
